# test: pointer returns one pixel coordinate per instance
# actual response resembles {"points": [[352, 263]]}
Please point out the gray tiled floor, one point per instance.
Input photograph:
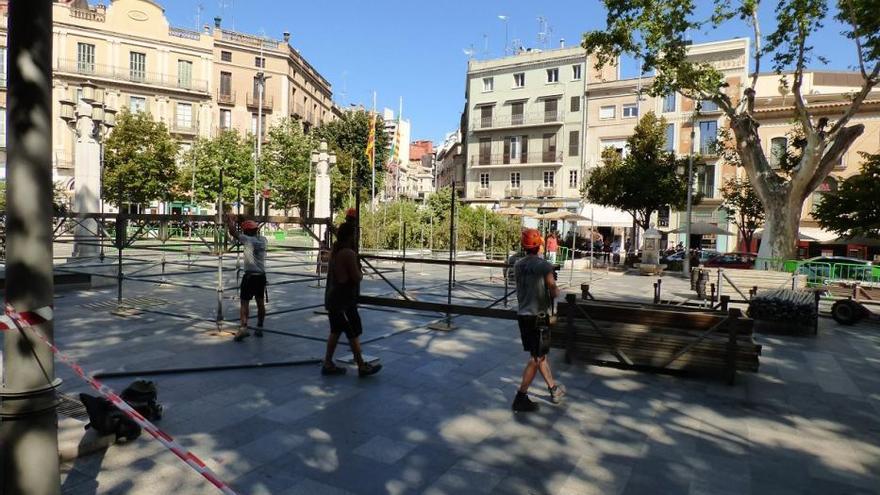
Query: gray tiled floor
{"points": [[437, 419]]}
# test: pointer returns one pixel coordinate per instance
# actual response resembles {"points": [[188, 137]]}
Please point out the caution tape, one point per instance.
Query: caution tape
{"points": [[27, 319]]}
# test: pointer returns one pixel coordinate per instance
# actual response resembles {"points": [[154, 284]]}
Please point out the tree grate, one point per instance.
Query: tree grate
{"points": [[131, 302], [71, 407]]}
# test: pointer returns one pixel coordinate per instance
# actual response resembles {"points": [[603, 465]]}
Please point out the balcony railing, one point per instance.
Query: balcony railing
{"points": [[512, 192], [183, 127], [518, 119], [249, 39], [253, 101], [538, 158], [483, 192], [97, 15], [184, 33], [546, 191], [225, 98], [125, 74]]}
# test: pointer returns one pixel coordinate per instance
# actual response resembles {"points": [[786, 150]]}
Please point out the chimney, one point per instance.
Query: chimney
{"points": [[286, 35], [561, 42], [217, 22]]}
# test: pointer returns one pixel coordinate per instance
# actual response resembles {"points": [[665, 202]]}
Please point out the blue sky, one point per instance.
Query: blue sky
{"points": [[415, 49]]}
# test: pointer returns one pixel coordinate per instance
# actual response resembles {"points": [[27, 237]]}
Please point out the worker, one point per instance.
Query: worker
{"points": [[253, 282]]}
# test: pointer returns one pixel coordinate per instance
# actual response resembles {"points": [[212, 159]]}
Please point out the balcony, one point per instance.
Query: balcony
{"points": [[97, 14], [546, 191], [188, 128], [542, 158], [97, 72], [225, 98], [253, 101], [483, 192], [512, 192], [517, 120]]}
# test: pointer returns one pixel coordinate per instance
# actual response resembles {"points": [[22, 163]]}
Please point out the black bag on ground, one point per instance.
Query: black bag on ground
{"points": [[143, 396], [107, 419]]}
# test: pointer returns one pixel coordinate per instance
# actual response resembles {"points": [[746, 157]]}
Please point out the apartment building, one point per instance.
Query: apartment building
{"points": [[613, 110], [397, 165], [449, 163], [524, 125]]}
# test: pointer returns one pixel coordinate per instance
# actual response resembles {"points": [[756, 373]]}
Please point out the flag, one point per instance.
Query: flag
{"points": [[371, 140], [394, 155]]}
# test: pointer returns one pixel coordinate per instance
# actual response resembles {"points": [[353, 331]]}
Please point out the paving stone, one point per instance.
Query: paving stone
{"points": [[384, 449]]}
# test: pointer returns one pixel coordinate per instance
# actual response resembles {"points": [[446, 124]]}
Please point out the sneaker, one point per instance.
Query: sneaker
{"points": [[333, 370], [241, 334], [258, 332], [556, 393], [522, 403], [369, 369]]}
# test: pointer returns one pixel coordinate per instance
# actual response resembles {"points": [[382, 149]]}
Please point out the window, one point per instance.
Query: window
{"points": [[225, 85], [706, 182], [225, 56], [484, 180], [488, 84], [576, 72], [485, 151], [519, 79], [516, 113], [574, 143], [829, 185], [708, 136], [708, 106], [631, 110], [2, 66], [670, 137], [513, 149], [549, 177], [514, 179], [262, 129], [575, 105], [669, 103], [778, 147], [486, 116], [618, 145], [137, 104], [260, 62], [184, 73], [137, 66], [553, 75], [184, 116], [550, 110], [549, 148], [573, 179], [85, 58], [606, 112], [225, 118]]}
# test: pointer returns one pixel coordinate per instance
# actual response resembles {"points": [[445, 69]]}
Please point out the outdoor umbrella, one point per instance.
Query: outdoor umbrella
{"points": [[701, 228], [801, 236], [513, 211]]}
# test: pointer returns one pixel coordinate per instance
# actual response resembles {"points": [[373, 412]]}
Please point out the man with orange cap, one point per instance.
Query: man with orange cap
{"points": [[253, 283], [535, 291]]}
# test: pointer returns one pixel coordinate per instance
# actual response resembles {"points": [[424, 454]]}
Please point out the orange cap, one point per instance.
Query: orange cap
{"points": [[531, 238], [350, 213], [249, 225]]}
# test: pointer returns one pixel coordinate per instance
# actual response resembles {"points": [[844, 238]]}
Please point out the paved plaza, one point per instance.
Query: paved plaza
{"points": [[437, 419]]}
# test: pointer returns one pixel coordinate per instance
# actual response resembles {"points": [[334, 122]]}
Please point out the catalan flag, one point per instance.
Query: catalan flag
{"points": [[371, 140]]}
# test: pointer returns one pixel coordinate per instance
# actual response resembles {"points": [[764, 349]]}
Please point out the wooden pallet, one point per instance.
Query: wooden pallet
{"points": [[656, 338], [740, 283]]}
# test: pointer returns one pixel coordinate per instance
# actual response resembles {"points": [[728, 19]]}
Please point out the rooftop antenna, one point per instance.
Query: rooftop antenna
{"points": [[344, 93], [199, 8], [485, 45], [545, 32]]}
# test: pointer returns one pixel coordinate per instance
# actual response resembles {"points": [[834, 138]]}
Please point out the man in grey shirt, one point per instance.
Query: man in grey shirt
{"points": [[535, 290], [253, 283]]}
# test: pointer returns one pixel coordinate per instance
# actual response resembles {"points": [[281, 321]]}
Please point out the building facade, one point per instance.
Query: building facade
{"points": [[449, 164], [397, 165]]}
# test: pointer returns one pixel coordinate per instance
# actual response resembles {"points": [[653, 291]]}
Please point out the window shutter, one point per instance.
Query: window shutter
{"points": [[506, 150], [524, 154]]}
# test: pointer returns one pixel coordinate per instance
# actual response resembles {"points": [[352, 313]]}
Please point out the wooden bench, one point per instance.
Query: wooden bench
{"points": [[656, 338]]}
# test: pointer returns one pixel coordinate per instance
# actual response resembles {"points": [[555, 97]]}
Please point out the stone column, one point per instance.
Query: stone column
{"points": [[322, 186], [87, 181]]}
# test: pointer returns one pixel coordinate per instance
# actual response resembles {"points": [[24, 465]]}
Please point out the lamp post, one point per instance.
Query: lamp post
{"points": [[261, 83], [91, 120], [686, 263]]}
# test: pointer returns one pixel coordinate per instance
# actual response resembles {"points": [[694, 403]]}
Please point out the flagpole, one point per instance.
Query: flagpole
{"points": [[373, 159]]}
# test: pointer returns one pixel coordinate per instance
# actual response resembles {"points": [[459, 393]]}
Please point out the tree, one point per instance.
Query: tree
{"points": [[232, 153], [853, 210], [285, 163], [348, 135], [140, 161], [645, 180], [656, 32], [743, 206]]}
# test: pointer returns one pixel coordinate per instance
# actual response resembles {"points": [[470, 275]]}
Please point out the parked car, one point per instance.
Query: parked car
{"points": [[732, 260], [823, 268], [705, 255]]}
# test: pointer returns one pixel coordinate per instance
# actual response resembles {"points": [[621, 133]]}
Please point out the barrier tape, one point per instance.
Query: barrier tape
{"points": [[12, 319]]}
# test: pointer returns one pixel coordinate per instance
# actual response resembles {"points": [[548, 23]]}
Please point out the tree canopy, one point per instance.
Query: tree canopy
{"points": [[853, 210], [643, 181], [285, 163], [743, 206], [231, 152], [348, 136], [656, 32], [140, 161]]}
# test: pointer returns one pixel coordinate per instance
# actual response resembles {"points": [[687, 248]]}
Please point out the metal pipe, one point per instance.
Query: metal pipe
{"points": [[28, 423], [403, 268], [219, 247], [204, 369], [451, 251], [687, 240]]}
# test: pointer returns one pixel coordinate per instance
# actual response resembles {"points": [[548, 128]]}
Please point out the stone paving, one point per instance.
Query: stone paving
{"points": [[437, 419]]}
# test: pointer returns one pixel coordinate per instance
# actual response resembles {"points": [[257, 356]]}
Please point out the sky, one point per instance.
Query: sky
{"points": [[416, 49]]}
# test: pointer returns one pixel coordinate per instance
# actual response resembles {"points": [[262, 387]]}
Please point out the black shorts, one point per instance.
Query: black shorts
{"points": [[253, 285], [346, 321], [531, 341]]}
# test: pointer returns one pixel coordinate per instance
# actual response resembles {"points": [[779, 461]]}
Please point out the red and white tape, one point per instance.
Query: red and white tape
{"points": [[27, 319]]}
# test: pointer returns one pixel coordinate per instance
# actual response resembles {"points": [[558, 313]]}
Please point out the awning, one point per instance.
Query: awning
{"points": [[820, 235], [802, 236], [700, 228], [604, 216]]}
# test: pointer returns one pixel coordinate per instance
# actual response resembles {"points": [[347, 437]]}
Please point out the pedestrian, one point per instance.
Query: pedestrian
{"points": [[535, 291], [340, 300], [253, 282], [552, 247]]}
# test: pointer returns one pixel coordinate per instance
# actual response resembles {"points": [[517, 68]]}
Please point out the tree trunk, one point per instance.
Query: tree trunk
{"points": [[779, 240]]}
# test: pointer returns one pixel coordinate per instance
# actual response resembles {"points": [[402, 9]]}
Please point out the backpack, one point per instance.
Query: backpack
{"points": [[142, 395], [107, 419]]}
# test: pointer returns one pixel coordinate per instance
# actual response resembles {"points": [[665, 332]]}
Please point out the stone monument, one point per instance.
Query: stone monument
{"points": [[650, 264], [322, 161]]}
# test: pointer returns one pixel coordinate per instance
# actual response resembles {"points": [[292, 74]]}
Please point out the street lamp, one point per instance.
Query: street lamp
{"points": [[261, 83]]}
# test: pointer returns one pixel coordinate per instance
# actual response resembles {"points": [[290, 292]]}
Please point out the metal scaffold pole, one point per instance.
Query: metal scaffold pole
{"points": [[219, 244], [28, 422]]}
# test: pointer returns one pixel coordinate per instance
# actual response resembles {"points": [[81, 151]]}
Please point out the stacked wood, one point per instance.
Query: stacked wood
{"points": [[796, 309], [737, 283], [657, 337]]}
